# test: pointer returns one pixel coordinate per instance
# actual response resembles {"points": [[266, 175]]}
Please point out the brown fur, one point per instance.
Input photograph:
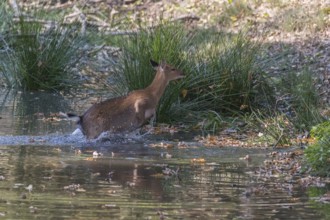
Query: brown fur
{"points": [[130, 112]]}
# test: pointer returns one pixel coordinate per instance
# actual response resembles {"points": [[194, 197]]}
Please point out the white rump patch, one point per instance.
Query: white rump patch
{"points": [[136, 105]]}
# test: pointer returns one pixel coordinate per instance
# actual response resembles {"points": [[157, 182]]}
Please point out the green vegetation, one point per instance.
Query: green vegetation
{"points": [[321, 130], [275, 129], [301, 98], [165, 42], [223, 79], [228, 74], [318, 154], [296, 109], [35, 57], [221, 70], [5, 17], [226, 77]]}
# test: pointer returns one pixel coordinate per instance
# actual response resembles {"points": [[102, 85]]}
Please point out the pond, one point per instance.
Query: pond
{"points": [[48, 173]]}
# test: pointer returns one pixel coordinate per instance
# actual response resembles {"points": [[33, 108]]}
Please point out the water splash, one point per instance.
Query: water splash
{"points": [[75, 139]]}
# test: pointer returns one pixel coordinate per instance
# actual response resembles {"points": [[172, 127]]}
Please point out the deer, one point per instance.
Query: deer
{"points": [[130, 112]]}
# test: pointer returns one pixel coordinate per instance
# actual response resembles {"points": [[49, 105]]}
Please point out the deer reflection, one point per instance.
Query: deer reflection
{"points": [[119, 175]]}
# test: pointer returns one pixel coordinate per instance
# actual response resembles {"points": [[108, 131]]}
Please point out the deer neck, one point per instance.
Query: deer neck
{"points": [[158, 86]]}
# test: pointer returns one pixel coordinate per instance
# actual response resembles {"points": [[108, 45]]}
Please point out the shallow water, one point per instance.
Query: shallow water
{"points": [[127, 181], [47, 173]]}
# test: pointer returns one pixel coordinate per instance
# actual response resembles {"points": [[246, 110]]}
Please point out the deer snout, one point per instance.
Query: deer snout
{"points": [[180, 75]]}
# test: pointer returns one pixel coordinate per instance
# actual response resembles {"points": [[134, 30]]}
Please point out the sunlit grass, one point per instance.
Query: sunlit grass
{"points": [[296, 19], [234, 10]]}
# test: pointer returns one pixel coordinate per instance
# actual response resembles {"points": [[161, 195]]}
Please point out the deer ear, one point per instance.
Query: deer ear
{"points": [[154, 64]]}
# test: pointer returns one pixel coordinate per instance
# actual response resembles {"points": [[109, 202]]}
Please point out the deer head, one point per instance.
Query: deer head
{"points": [[169, 73]]}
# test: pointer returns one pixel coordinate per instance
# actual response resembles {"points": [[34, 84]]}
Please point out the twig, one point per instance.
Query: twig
{"points": [[120, 32], [72, 15], [187, 18], [60, 6], [102, 22]]}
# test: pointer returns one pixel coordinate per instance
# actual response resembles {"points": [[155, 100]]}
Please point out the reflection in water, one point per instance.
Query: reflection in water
{"points": [[29, 113], [127, 181], [35, 113]]}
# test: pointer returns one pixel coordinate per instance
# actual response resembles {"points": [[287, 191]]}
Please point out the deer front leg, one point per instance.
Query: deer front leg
{"points": [[152, 120], [144, 112]]}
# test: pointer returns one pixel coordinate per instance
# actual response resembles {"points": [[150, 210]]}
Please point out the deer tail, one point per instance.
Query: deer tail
{"points": [[72, 116]]}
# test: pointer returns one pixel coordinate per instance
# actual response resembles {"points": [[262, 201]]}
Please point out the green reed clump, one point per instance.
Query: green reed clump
{"points": [[226, 77], [303, 99], [35, 57], [318, 154], [221, 71], [166, 42]]}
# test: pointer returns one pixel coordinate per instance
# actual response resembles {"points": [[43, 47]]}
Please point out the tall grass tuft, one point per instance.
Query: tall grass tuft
{"points": [[166, 42], [303, 99], [221, 71], [226, 78], [318, 153], [38, 58]]}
